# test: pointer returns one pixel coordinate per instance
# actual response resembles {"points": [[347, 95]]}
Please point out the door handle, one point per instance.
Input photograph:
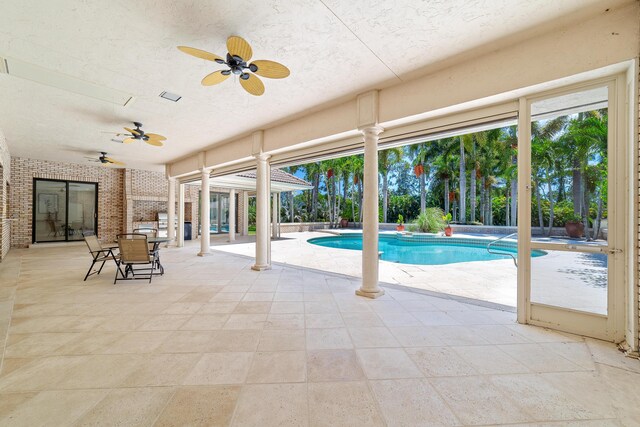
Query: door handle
{"points": [[593, 249]]}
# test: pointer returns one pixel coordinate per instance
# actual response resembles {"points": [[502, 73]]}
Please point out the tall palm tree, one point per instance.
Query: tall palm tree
{"points": [[443, 164], [292, 214], [386, 159], [487, 162], [546, 160], [510, 140], [420, 153], [312, 171], [587, 136], [357, 167]]}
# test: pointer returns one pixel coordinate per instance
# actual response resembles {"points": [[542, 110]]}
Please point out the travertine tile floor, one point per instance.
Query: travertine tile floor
{"points": [[214, 343]]}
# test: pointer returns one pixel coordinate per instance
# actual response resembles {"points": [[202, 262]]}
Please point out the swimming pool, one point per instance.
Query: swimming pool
{"points": [[425, 249]]}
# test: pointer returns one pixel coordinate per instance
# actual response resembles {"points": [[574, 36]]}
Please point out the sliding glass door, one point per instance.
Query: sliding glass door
{"points": [[63, 210], [218, 213]]}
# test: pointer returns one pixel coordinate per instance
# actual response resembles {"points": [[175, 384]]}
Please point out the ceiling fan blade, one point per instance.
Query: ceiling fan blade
{"points": [[214, 78], [271, 69], [128, 141], [239, 47], [132, 131], [199, 53], [154, 142], [113, 162], [253, 85], [155, 136]]}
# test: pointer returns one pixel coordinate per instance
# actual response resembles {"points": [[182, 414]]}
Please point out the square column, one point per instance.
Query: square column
{"points": [[245, 213], [180, 231], [232, 215], [275, 206], [171, 212], [263, 243], [370, 262], [205, 238]]}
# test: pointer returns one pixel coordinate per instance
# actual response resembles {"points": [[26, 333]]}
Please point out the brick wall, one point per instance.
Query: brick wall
{"points": [[146, 210], [5, 168], [146, 194], [110, 195]]}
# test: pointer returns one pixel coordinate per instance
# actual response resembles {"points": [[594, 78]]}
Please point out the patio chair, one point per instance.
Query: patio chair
{"points": [[98, 253], [134, 251], [153, 248]]}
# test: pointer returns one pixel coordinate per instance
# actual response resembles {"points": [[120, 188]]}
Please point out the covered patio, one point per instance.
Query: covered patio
{"points": [[113, 115]]}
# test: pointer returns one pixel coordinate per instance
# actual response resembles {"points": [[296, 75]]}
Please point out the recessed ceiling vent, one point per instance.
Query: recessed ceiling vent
{"points": [[170, 96], [27, 71]]}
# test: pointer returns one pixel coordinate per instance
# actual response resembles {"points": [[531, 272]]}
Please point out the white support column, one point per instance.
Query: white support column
{"points": [[370, 261], [263, 243], [205, 238], [279, 219], [274, 216], [171, 212], [245, 213], [180, 233], [232, 215]]}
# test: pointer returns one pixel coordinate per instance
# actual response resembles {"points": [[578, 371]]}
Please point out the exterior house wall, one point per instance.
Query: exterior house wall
{"points": [[124, 197], [110, 195]]}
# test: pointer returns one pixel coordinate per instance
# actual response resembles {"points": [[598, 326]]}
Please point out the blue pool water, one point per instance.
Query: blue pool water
{"points": [[434, 251]]}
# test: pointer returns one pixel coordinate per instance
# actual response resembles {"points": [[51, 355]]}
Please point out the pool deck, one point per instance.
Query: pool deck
{"points": [[493, 281], [486, 281]]}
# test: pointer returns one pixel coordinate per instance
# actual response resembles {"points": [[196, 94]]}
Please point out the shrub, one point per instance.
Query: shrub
{"points": [[430, 220]]}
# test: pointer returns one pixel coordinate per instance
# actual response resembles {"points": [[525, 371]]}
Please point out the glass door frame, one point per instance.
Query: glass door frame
{"points": [[218, 208], [34, 206], [611, 326]]}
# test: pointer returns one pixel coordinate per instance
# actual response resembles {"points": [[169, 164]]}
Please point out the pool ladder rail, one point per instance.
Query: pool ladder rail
{"points": [[497, 252]]}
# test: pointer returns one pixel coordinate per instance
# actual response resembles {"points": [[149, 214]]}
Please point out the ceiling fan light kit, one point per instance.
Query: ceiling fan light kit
{"points": [[237, 59]]}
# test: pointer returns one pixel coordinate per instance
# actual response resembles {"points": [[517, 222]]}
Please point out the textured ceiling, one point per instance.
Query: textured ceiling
{"points": [[334, 48]]}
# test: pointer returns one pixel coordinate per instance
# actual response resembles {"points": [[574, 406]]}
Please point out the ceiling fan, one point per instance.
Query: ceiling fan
{"points": [[237, 59], [104, 160], [138, 134]]}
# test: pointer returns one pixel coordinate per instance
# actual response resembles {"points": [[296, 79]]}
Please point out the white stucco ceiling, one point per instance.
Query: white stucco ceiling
{"points": [[334, 48]]}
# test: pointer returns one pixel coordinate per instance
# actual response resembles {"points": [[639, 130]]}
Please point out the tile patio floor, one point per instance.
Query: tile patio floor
{"points": [[214, 343]]}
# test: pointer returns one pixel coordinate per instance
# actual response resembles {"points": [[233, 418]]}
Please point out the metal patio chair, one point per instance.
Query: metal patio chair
{"points": [[98, 253], [134, 252]]}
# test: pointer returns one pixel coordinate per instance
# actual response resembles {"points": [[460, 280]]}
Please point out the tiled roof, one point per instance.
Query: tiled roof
{"points": [[278, 175]]}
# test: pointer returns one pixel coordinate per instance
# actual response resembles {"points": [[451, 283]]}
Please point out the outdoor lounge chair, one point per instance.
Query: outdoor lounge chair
{"points": [[98, 253], [134, 252]]}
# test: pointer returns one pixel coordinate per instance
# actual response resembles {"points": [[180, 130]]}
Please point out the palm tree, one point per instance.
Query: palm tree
{"points": [[357, 167], [587, 136], [463, 180], [443, 164], [546, 160], [386, 159], [420, 153], [292, 214], [488, 164], [510, 141], [312, 171]]}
